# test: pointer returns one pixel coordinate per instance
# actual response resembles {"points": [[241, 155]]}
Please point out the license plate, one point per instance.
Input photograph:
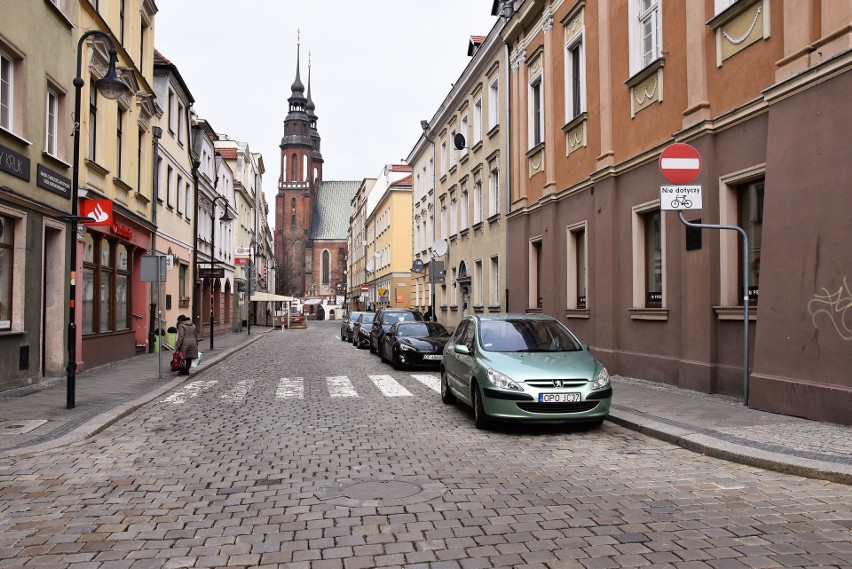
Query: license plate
{"points": [[558, 397], [432, 357]]}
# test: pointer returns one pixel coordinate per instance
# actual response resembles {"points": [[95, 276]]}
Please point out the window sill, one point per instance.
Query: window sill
{"points": [[15, 136], [55, 159], [493, 218], [645, 72], [577, 313], [576, 121], [535, 150], [454, 308], [494, 131], [477, 226], [464, 158], [735, 313], [478, 308], [92, 165], [533, 310], [476, 146], [8, 333], [648, 313], [494, 308], [464, 232], [443, 307]]}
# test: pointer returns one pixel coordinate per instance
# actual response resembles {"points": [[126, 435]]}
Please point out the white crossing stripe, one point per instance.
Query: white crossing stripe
{"points": [[291, 388], [389, 386], [240, 390], [188, 392], [429, 381], [340, 386]]}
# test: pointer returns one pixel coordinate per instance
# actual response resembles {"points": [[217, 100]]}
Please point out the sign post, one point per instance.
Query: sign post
{"points": [[680, 164]]}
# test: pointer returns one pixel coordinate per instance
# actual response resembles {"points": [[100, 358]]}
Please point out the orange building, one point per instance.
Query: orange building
{"points": [[597, 91]]}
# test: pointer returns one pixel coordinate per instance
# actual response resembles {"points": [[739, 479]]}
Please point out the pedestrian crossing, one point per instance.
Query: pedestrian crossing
{"points": [[336, 386]]}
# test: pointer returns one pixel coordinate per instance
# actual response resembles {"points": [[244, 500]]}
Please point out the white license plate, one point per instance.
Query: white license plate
{"points": [[432, 357], [558, 397]]}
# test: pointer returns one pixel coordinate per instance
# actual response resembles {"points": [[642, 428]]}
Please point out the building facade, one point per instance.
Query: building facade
{"points": [[756, 86]]}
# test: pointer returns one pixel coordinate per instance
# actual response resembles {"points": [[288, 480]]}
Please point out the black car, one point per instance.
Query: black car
{"points": [[361, 330], [387, 317], [414, 344], [347, 325]]}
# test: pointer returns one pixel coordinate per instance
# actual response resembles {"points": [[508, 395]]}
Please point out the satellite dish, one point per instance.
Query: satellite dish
{"points": [[369, 266], [439, 247], [458, 141], [417, 266]]}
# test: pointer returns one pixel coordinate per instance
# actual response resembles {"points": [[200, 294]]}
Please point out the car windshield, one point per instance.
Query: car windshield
{"points": [[421, 329], [366, 318], [394, 317], [526, 336]]}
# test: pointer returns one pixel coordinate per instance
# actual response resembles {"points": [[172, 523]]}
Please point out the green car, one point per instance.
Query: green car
{"points": [[523, 367]]}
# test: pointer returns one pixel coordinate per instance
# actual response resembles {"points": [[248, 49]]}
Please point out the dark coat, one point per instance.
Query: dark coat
{"points": [[187, 340]]}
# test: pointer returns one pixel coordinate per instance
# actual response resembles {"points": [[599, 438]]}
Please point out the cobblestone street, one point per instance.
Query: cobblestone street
{"points": [[303, 452]]}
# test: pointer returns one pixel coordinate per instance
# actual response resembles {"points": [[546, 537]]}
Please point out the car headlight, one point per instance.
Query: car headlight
{"points": [[502, 381], [601, 379], [406, 348]]}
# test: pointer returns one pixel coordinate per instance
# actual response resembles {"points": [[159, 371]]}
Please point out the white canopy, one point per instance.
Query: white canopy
{"points": [[267, 297]]}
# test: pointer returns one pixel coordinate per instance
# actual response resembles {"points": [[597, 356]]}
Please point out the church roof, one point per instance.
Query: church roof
{"points": [[332, 209]]}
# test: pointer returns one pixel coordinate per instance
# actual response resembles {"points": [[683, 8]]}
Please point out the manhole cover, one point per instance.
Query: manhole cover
{"points": [[20, 427], [385, 492]]}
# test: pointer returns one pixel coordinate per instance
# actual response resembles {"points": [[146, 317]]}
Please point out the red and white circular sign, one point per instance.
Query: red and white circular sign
{"points": [[365, 288], [680, 163]]}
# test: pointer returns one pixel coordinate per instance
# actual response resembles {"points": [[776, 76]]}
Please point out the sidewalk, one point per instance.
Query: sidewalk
{"points": [[714, 425]]}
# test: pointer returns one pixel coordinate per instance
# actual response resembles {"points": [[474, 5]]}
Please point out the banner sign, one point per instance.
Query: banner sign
{"points": [[99, 210]]}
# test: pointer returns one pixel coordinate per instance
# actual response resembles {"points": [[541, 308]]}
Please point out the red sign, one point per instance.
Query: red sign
{"points": [[99, 210], [365, 288], [680, 163], [241, 261]]}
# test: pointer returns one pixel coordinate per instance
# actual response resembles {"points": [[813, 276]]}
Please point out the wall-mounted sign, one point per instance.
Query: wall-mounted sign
{"points": [[122, 230], [15, 164], [98, 210], [53, 181]]}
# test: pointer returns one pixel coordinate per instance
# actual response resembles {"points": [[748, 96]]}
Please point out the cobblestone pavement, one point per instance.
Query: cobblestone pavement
{"points": [[302, 452]]}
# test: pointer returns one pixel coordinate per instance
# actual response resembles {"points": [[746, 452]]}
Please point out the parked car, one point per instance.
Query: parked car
{"points": [[361, 330], [387, 317], [414, 344], [347, 324], [523, 367]]}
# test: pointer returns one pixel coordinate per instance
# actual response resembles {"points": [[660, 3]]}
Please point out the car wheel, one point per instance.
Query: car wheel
{"points": [[446, 395], [397, 365], [480, 419]]}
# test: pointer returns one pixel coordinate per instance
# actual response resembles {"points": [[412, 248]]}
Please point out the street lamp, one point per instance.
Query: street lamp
{"points": [[226, 218], [111, 87]]}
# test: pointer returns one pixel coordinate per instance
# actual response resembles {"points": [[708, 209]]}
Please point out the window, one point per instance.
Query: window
{"points": [[477, 122], [453, 149], [7, 262], [494, 282], [653, 260], [750, 202], [646, 44], [648, 234], [465, 131], [577, 277], [536, 110], [453, 217], [477, 202], [304, 167], [172, 112], [181, 122], [444, 158], [93, 119], [477, 283], [535, 274], [169, 181], [493, 191], [463, 210], [493, 104], [575, 78], [182, 282], [293, 165], [51, 123], [119, 143], [140, 137], [326, 267], [7, 91], [188, 200], [179, 191], [722, 5], [444, 226], [121, 21], [106, 269]]}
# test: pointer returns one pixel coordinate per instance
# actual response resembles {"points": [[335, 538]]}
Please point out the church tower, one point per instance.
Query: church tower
{"points": [[301, 172]]}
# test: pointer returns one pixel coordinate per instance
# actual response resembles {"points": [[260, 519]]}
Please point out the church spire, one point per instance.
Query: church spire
{"points": [[310, 106], [297, 87]]}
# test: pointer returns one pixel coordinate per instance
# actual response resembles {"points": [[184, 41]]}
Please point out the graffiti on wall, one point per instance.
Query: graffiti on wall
{"points": [[837, 306]]}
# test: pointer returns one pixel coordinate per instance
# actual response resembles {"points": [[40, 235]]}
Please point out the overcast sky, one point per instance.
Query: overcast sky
{"points": [[378, 68]]}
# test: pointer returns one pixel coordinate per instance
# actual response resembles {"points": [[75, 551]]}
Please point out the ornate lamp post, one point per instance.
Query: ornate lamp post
{"points": [[226, 218], [111, 87]]}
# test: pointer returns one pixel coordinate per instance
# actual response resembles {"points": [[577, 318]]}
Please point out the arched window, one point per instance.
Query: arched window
{"points": [[283, 168], [305, 168], [293, 165], [326, 267]]}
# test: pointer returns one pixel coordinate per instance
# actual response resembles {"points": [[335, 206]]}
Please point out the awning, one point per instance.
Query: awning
{"points": [[266, 297], [314, 301]]}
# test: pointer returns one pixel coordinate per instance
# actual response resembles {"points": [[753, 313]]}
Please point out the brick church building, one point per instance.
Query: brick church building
{"points": [[311, 215]]}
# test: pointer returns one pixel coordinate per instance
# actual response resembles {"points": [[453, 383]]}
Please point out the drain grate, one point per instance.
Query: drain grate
{"points": [[20, 427]]}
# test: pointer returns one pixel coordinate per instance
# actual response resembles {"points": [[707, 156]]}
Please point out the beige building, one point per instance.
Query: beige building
{"points": [[356, 248], [174, 208], [469, 134]]}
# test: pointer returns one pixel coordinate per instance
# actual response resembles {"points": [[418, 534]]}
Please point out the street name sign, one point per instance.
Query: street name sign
{"points": [[680, 163], [214, 273], [674, 198]]}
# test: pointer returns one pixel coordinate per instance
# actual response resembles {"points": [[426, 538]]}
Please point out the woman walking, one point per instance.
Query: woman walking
{"points": [[187, 342]]}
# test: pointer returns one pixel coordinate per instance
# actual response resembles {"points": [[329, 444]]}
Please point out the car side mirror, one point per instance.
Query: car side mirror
{"points": [[462, 349]]}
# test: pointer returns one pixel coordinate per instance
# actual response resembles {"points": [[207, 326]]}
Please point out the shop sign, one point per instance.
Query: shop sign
{"points": [[100, 211], [15, 164], [53, 181], [122, 230]]}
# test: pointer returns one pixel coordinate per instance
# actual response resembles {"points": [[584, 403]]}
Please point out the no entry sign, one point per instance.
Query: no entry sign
{"points": [[680, 163]]}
